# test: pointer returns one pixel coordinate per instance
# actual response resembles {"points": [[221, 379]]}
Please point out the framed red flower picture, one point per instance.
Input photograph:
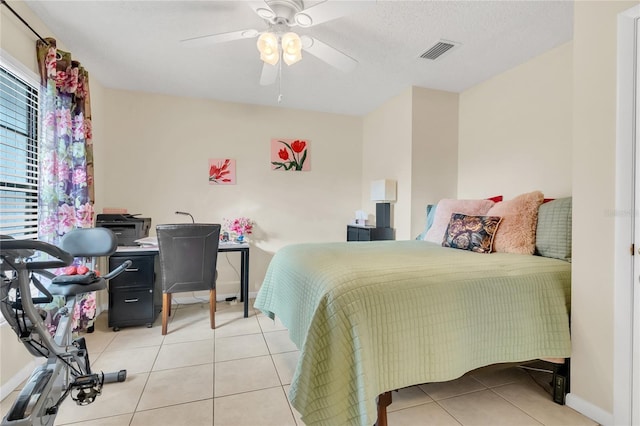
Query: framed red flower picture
{"points": [[222, 171], [290, 155]]}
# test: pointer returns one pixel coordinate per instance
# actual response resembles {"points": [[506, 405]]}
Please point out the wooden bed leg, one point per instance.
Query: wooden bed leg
{"points": [[384, 400]]}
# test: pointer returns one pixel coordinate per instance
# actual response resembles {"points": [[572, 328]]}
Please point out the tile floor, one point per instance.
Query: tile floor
{"points": [[240, 373]]}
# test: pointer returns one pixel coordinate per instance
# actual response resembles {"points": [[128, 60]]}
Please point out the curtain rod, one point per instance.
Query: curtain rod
{"points": [[23, 21]]}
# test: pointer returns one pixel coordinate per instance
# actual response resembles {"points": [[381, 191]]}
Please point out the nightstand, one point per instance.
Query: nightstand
{"points": [[369, 233]]}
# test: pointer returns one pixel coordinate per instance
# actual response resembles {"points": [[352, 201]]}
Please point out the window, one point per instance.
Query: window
{"points": [[18, 151]]}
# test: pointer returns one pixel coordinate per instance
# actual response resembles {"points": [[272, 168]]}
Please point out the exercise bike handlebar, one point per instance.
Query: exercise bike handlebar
{"points": [[63, 258]]}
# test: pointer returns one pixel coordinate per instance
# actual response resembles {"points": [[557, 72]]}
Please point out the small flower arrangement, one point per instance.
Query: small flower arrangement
{"points": [[240, 225]]}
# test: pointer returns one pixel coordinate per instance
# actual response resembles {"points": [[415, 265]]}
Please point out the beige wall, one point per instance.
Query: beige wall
{"points": [[594, 141], [434, 151], [412, 138], [151, 158], [155, 161], [16, 39], [516, 130], [386, 154]]}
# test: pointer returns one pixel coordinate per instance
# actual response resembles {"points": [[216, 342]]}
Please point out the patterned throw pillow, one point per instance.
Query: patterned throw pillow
{"points": [[474, 233]]}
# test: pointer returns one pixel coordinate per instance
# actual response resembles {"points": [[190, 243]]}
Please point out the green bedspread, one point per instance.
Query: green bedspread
{"points": [[377, 316]]}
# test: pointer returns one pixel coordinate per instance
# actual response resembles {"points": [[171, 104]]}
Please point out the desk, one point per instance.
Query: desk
{"points": [[243, 248]]}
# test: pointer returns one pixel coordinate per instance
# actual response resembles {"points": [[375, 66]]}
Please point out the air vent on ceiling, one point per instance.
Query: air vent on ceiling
{"points": [[440, 48]]}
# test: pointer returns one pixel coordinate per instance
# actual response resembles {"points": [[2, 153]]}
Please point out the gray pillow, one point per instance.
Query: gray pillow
{"points": [[553, 233]]}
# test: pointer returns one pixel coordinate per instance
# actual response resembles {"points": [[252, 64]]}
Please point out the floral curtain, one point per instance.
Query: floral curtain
{"points": [[66, 191]]}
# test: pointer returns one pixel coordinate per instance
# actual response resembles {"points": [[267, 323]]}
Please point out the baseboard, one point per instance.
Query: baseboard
{"points": [[15, 381], [220, 297], [595, 413]]}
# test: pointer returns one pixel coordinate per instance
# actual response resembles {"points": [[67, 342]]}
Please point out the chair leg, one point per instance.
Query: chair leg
{"points": [[166, 307], [212, 307]]}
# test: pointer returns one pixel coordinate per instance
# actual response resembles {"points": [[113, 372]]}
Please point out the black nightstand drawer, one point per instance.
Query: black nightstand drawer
{"points": [[360, 233], [140, 273]]}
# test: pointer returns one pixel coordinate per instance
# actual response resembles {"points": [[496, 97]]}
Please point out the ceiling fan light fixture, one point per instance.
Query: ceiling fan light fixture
{"points": [[303, 20], [291, 48], [268, 48], [265, 13]]}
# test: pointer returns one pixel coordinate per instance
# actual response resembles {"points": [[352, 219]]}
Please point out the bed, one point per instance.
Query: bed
{"points": [[372, 317]]}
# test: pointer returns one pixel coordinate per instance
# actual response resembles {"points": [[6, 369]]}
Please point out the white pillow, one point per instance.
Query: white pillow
{"points": [[447, 207]]}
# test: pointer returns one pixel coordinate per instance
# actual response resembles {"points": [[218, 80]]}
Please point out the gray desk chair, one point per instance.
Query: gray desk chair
{"points": [[188, 255]]}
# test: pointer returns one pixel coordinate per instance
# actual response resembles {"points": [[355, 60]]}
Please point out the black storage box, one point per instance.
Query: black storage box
{"points": [[127, 227]]}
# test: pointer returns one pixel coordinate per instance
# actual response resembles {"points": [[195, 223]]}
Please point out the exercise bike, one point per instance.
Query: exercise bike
{"points": [[67, 370]]}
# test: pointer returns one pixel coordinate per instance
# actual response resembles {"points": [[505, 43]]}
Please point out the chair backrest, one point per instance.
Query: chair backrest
{"points": [[188, 254], [89, 242]]}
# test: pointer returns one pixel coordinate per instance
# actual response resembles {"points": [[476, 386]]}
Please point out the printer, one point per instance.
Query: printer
{"points": [[127, 227]]}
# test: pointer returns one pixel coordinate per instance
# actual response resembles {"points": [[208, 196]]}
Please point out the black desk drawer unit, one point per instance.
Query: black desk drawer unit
{"points": [[360, 233], [131, 307], [131, 294]]}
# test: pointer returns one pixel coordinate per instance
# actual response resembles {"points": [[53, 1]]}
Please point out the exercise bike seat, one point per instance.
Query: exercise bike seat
{"points": [[84, 242], [72, 285]]}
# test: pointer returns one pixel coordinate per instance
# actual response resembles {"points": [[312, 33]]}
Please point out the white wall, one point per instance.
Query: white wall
{"points": [[516, 130], [155, 161]]}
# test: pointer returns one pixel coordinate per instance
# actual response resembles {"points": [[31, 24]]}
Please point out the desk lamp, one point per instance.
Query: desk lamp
{"points": [[187, 214]]}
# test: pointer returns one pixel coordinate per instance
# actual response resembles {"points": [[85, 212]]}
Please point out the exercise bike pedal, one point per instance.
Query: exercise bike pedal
{"points": [[115, 377], [85, 389]]}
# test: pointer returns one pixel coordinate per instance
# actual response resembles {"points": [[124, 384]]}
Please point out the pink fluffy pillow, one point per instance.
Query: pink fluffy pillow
{"points": [[449, 206], [517, 231]]}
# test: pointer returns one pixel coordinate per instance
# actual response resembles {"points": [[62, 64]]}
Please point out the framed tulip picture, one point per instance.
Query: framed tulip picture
{"points": [[290, 155], [222, 171]]}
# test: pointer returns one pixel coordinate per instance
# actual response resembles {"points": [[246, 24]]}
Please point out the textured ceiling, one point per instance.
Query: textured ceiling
{"points": [[135, 45]]}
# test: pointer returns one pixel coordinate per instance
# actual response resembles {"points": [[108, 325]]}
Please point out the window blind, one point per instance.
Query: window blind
{"points": [[18, 155]]}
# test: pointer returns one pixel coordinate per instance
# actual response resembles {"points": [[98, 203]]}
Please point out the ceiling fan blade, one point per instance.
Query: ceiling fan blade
{"points": [[220, 38], [329, 10], [329, 54], [269, 74]]}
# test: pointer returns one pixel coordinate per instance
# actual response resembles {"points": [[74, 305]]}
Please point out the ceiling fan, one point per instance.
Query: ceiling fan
{"points": [[279, 39]]}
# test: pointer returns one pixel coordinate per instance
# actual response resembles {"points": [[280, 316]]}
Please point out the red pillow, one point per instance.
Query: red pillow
{"points": [[495, 199]]}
